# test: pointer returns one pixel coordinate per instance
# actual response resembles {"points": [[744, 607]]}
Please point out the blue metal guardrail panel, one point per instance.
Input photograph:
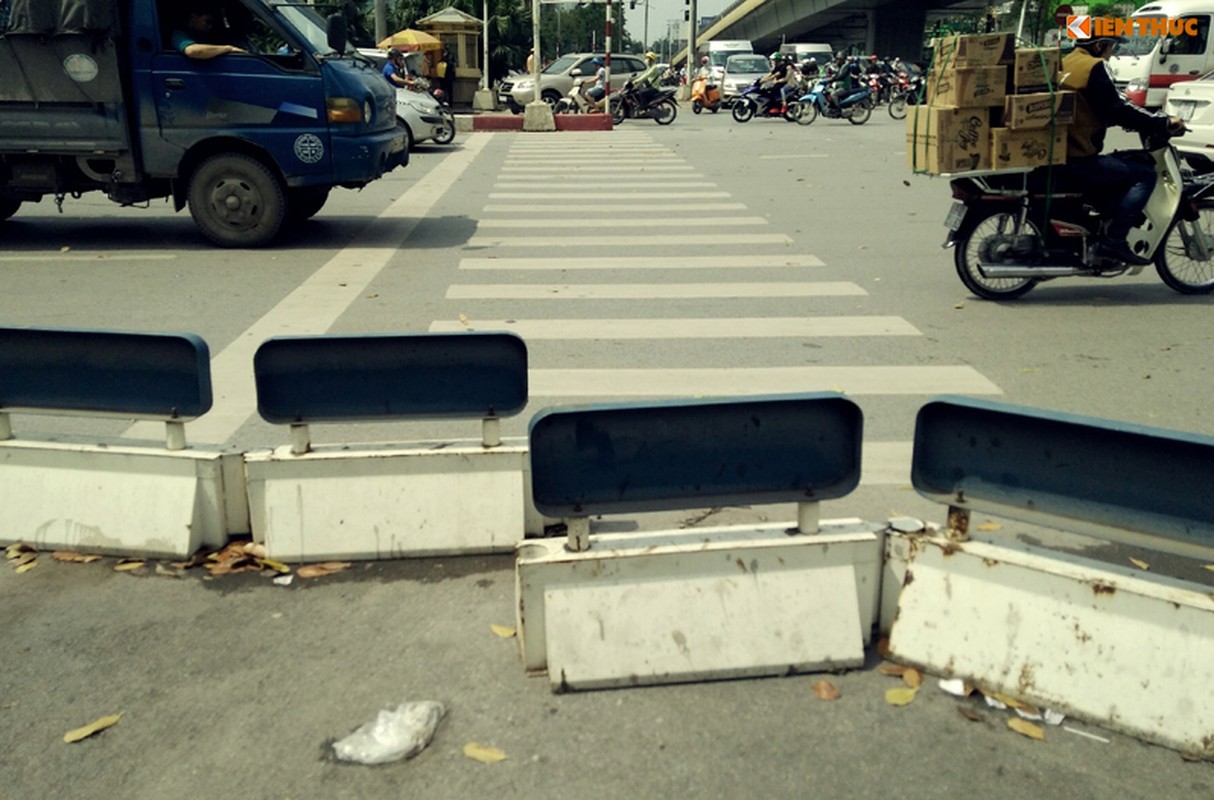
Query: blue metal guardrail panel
{"points": [[147, 375], [1026, 463], [304, 379], [665, 456]]}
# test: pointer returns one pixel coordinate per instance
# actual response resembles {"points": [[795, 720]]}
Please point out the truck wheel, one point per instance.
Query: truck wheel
{"points": [[304, 204], [236, 201], [8, 208]]}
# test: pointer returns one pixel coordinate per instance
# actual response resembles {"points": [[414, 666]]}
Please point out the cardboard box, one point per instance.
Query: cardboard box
{"points": [[1035, 68], [944, 140], [1027, 148], [974, 50], [967, 87], [1021, 111]]}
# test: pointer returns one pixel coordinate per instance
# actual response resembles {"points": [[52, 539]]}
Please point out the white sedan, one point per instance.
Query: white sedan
{"points": [[1193, 102]]}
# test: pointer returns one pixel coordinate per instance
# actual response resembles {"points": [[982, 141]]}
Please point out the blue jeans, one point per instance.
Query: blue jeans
{"points": [[1124, 179]]}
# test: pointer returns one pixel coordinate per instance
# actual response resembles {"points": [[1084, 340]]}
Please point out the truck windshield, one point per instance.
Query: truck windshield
{"points": [[304, 20]]}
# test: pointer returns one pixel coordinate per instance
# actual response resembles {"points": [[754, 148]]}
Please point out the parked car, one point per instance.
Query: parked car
{"points": [[1193, 102], [557, 79], [741, 71], [424, 118]]}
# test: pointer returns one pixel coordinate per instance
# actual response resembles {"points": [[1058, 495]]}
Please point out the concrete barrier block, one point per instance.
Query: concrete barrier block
{"points": [[115, 500], [390, 501], [698, 604], [1111, 646]]}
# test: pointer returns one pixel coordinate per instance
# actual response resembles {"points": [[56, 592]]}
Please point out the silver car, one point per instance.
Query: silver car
{"points": [[557, 78], [1193, 102], [740, 72]]}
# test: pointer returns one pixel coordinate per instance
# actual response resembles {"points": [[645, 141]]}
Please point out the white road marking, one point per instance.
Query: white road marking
{"points": [[537, 208], [616, 222], [629, 241], [650, 291], [682, 328], [779, 261]]}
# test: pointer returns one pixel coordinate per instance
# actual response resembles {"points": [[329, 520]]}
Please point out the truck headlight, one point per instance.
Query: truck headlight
{"points": [[347, 109]]}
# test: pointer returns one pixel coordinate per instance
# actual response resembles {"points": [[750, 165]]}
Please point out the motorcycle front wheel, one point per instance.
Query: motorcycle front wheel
{"points": [[965, 257], [1185, 260], [897, 107], [807, 112], [664, 112], [618, 112], [447, 134], [860, 113], [696, 106], [743, 110]]}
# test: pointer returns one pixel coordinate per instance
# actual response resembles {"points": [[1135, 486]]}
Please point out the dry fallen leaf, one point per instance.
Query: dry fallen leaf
{"points": [[825, 690], [503, 631], [26, 567], [129, 564], [277, 566], [483, 753], [24, 558], [1140, 564], [93, 727], [1010, 702], [889, 668], [255, 549], [970, 714], [75, 558], [1026, 728], [321, 570], [883, 646], [912, 678], [901, 696], [15, 550], [1210, 567]]}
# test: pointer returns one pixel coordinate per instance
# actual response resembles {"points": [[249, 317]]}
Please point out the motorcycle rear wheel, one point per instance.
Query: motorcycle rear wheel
{"points": [[743, 110], [965, 258], [807, 112], [664, 112], [1179, 260]]}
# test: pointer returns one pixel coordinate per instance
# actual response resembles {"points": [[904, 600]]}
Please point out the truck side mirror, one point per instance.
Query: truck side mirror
{"points": [[338, 33], [1165, 47]]}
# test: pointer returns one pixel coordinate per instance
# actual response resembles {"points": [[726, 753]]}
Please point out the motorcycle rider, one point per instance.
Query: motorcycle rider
{"points": [[598, 91], [1124, 177], [845, 81], [646, 84], [776, 81]]}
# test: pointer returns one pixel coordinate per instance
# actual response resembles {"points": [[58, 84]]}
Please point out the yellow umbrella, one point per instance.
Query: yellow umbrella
{"points": [[411, 40]]}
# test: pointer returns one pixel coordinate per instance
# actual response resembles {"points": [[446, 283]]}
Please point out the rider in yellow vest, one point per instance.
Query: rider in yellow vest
{"points": [[1124, 176]]}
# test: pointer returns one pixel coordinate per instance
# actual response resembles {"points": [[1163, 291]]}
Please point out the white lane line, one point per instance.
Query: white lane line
{"points": [[886, 463], [798, 155], [536, 208], [100, 255], [644, 262], [628, 242], [640, 168], [315, 305], [707, 328], [619, 186], [618, 197], [618, 383], [623, 178], [650, 291], [616, 222], [550, 161]]}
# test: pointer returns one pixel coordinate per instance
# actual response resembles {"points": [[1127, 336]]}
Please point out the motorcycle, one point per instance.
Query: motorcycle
{"points": [[755, 101], [1004, 244], [910, 93], [626, 104], [577, 101], [856, 106], [705, 95]]}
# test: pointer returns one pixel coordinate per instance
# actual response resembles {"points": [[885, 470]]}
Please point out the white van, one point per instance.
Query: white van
{"points": [[1145, 66], [818, 51], [719, 50]]}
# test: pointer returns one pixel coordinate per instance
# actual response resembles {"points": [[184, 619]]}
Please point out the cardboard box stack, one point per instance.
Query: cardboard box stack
{"points": [[989, 106]]}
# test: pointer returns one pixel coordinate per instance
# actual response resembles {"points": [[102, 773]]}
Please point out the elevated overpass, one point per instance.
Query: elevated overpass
{"points": [[888, 27]]}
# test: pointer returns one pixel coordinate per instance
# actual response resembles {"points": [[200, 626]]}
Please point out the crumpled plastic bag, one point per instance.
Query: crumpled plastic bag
{"points": [[395, 733]]}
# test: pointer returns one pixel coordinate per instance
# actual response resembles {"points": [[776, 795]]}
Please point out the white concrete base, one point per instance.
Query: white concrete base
{"points": [[537, 116], [1111, 646], [698, 604], [484, 100], [391, 501], [118, 500]]}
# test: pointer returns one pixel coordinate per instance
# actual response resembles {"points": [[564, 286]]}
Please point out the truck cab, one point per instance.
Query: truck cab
{"points": [[98, 97]]}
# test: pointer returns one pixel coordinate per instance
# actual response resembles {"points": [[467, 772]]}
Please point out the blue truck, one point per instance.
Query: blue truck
{"points": [[96, 96]]}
